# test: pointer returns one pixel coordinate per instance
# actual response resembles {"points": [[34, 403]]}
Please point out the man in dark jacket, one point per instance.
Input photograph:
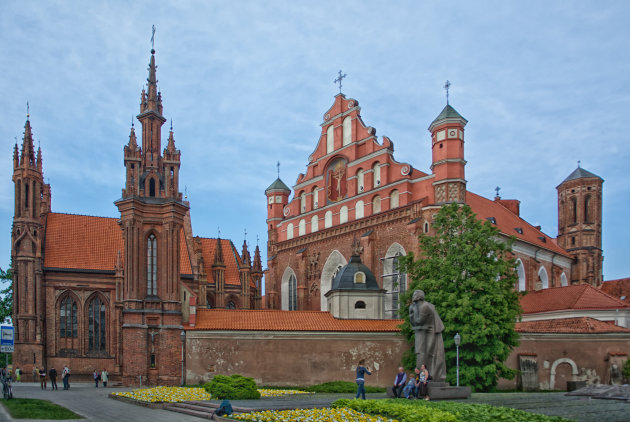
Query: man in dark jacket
{"points": [[53, 378]]}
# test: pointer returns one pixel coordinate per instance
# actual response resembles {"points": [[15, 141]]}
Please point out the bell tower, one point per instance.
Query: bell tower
{"points": [[151, 218], [32, 202], [580, 224], [447, 146]]}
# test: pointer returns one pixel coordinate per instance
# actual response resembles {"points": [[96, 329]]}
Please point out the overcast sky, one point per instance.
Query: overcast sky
{"points": [[543, 84]]}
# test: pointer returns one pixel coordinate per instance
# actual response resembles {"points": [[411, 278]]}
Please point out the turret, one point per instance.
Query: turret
{"points": [[277, 198], [580, 224], [447, 146]]}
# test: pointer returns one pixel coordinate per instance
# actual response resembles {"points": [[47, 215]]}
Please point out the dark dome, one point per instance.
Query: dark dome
{"points": [[345, 278]]}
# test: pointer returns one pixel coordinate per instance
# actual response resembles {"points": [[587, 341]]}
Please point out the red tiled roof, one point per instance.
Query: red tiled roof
{"points": [[231, 259], [85, 242], [584, 325], [507, 222], [617, 288], [82, 242], [273, 320], [582, 296]]}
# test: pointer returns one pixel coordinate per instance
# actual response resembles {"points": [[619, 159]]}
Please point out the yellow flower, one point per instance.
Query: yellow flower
{"points": [[165, 394]]}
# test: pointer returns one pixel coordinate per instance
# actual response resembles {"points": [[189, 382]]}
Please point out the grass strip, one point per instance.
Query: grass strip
{"points": [[37, 409]]}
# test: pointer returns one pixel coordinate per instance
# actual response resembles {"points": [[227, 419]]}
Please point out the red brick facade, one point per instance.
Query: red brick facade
{"points": [[102, 293], [353, 187]]}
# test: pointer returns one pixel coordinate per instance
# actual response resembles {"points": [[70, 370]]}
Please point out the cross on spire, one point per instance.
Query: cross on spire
{"points": [[153, 37], [28, 113], [497, 189], [256, 240], [278, 165], [579, 162], [447, 85], [219, 231], [245, 234], [339, 79]]}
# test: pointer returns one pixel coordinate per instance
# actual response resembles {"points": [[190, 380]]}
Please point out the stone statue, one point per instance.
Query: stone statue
{"points": [[428, 327]]}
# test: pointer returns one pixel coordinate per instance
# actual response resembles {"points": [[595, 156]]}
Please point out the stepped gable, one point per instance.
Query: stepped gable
{"points": [[84, 242], [273, 320], [508, 223], [619, 289], [231, 259], [581, 325], [582, 296]]}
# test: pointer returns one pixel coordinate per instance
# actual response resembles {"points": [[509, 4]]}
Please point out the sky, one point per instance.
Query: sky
{"points": [[542, 84]]}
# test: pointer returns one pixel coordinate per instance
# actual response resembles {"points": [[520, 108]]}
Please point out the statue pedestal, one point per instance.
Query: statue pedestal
{"points": [[443, 391]]}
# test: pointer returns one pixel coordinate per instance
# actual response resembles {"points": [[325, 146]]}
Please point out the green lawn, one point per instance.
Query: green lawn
{"points": [[37, 409]]}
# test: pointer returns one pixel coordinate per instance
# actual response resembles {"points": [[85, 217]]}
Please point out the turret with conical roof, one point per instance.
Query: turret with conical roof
{"points": [[447, 140], [580, 224], [277, 198]]}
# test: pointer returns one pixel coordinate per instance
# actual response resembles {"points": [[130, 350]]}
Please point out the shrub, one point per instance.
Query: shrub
{"points": [[626, 370], [445, 411], [342, 387], [234, 387]]}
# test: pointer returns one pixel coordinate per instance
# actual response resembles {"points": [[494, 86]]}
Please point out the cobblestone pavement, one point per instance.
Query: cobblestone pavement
{"points": [[94, 405]]}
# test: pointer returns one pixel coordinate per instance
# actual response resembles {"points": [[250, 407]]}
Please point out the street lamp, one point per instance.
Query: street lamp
{"points": [[458, 340], [182, 335]]}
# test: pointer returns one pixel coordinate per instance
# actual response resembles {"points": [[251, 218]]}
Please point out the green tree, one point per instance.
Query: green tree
{"points": [[468, 272], [6, 294]]}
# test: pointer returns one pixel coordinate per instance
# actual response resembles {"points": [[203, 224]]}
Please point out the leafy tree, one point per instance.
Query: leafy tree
{"points": [[467, 271], [6, 294]]}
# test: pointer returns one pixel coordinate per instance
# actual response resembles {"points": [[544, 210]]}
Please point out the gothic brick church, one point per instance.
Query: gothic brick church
{"points": [[115, 293], [354, 188]]}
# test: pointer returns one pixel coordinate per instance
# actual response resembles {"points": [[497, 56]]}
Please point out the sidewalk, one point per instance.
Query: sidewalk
{"points": [[94, 405]]}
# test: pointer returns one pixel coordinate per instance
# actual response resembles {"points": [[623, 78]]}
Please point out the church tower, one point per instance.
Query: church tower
{"points": [[151, 218], [447, 146], [277, 199], [580, 224], [32, 202]]}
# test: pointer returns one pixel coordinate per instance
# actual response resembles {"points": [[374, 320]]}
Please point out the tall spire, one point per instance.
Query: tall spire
{"points": [[28, 149], [257, 260], [218, 254], [153, 100], [245, 254]]}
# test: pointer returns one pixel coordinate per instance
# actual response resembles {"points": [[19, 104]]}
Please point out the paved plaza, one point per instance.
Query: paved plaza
{"points": [[93, 404]]}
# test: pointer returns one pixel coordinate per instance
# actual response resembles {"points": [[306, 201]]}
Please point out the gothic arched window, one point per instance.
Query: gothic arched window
{"points": [[68, 318], [292, 293], [574, 209], [231, 305], [330, 140], [347, 131], [97, 325], [152, 266], [152, 187]]}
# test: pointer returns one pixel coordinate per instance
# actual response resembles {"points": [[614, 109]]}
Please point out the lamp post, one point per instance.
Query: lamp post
{"points": [[182, 335], [458, 340]]}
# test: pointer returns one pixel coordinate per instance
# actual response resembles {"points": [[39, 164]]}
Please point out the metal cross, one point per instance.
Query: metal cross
{"points": [[256, 240], [132, 120], [28, 113], [219, 231], [245, 234], [278, 165], [153, 37], [579, 162], [497, 189], [447, 85], [339, 79]]}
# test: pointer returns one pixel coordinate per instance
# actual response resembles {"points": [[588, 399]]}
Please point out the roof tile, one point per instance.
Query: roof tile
{"points": [[581, 325], [617, 288], [274, 320], [507, 222], [582, 296]]}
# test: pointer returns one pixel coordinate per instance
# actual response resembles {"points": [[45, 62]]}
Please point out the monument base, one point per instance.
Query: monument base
{"points": [[443, 391]]}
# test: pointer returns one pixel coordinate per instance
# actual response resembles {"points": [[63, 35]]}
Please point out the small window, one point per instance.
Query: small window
{"points": [[359, 305], [152, 187], [289, 231], [328, 219], [330, 140], [376, 169], [359, 210], [360, 181], [343, 215], [572, 240], [376, 204], [347, 131], [359, 277], [314, 224], [302, 228], [394, 199], [426, 227]]}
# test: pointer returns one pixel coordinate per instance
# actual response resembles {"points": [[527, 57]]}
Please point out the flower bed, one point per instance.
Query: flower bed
{"points": [[310, 415], [165, 394], [271, 392]]}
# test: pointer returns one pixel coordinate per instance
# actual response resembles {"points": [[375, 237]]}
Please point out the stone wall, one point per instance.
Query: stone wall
{"points": [[566, 357], [292, 358]]}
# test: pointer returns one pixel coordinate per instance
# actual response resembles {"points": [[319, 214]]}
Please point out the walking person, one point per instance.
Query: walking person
{"points": [[66, 377], [361, 371], [104, 377], [96, 376], [42, 378], [53, 378]]}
